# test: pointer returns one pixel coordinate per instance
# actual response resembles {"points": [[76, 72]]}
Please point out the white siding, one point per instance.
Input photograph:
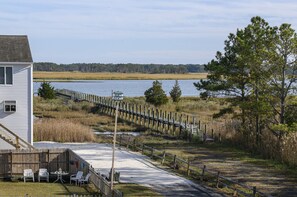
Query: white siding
{"points": [[21, 121]]}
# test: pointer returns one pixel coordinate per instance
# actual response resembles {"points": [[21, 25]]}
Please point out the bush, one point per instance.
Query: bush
{"points": [[46, 91], [156, 95]]}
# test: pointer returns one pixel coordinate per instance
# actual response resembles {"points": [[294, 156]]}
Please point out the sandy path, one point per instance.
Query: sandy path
{"points": [[134, 168]]}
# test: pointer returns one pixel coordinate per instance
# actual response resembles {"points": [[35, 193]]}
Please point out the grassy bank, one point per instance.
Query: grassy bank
{"points": [[58, 76]]}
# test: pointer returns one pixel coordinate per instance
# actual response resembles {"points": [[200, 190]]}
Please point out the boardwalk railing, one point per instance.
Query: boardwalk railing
{"points": [[166, 122], [201, 172]]}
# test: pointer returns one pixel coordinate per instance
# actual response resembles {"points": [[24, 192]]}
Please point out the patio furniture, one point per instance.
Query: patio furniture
{"points": [[60, 175], [43, 174], [84, 180], [28, 174], [76, 177]]}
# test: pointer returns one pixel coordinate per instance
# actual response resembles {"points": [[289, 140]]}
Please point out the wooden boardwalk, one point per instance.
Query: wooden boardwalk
{"points": [[166, 122]]}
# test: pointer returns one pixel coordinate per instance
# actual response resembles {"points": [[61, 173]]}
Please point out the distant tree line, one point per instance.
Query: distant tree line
{"points": [[122, 68]]}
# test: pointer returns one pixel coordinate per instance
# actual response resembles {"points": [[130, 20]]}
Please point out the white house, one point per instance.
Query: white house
{"points": [[16, 94]]}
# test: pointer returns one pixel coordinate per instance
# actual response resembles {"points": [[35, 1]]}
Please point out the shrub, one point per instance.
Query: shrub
{"points": [[156, 95], [46, 91]]}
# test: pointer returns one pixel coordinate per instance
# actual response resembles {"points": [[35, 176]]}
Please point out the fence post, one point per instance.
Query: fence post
{"points": [[188, 167], [174, 161], [134, 144], [254, 191], [128, 142], [152, 152], [203, 172], [142, 151], [120, 140], [163, 158], [212, 136], [218, 179], [11, 164]]}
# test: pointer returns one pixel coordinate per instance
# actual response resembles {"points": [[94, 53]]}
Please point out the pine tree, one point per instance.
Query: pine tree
{"points": [[156, 95], [176, 92], [46, 91]]}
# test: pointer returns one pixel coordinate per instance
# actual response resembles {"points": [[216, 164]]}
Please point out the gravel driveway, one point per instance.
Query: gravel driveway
{"points": [[134, 168]]}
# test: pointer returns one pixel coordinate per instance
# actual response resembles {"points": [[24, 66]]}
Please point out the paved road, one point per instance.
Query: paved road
{"points": [[134, 168]]}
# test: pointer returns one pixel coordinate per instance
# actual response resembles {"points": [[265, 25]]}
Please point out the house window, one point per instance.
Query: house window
{"points": [[6, 75], [9, 106]]}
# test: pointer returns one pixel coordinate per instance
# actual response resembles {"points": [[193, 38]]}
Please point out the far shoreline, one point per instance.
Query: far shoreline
{"points": [[74, 76]]}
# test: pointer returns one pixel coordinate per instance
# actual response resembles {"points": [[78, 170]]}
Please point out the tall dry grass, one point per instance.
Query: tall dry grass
{"points": [[289, 149], [62, 130], [269, 145]]}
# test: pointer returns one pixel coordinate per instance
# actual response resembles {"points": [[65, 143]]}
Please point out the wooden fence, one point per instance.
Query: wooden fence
{"points": [[201, 173], [172, 123], [13, 163]]}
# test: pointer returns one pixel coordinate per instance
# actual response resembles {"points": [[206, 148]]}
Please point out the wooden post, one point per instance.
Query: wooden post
{"points": [[134, 144], [17, 142], [153, 118], [180, 125], [140, 116], [163, 157], [128, 142], [254, 191], [152, 152], [48, 160], [218, 179], [11, 163], [203, 172], [188, 167], [120, 140], [142, 151], [174, 161], [158, 117], [212, 134], [67, 160], [220, 139], [168, 123]]}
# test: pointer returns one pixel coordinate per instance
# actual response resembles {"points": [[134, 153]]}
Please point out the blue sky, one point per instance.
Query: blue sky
{"points": [[135, 31]]}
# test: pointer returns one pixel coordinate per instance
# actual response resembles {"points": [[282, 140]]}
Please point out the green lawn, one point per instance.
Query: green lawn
{"points": [[43, 189], [135, 190]]}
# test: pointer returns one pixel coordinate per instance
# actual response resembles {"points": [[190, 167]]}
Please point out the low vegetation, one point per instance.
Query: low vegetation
{"points": [[58, 76], [62, 130], [63, 121], [135, 190], [44, 189]]}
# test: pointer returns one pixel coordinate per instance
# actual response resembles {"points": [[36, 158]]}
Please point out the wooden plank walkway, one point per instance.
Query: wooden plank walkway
{"points": [[166, 122]]}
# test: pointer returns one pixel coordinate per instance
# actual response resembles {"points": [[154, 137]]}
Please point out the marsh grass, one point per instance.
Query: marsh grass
{"points": [[62, 130], [39, 76]]}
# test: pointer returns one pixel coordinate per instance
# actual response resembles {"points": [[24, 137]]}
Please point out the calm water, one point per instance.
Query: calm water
{"points": [[130, 88]]}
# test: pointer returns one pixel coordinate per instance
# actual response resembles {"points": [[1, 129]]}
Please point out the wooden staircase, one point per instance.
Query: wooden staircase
{"points": [[13, 139]]}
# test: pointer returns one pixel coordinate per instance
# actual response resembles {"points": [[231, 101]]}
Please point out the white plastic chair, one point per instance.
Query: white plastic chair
{"points": [[43, 174], [76, 177], [28, 174], [84, 180]]}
